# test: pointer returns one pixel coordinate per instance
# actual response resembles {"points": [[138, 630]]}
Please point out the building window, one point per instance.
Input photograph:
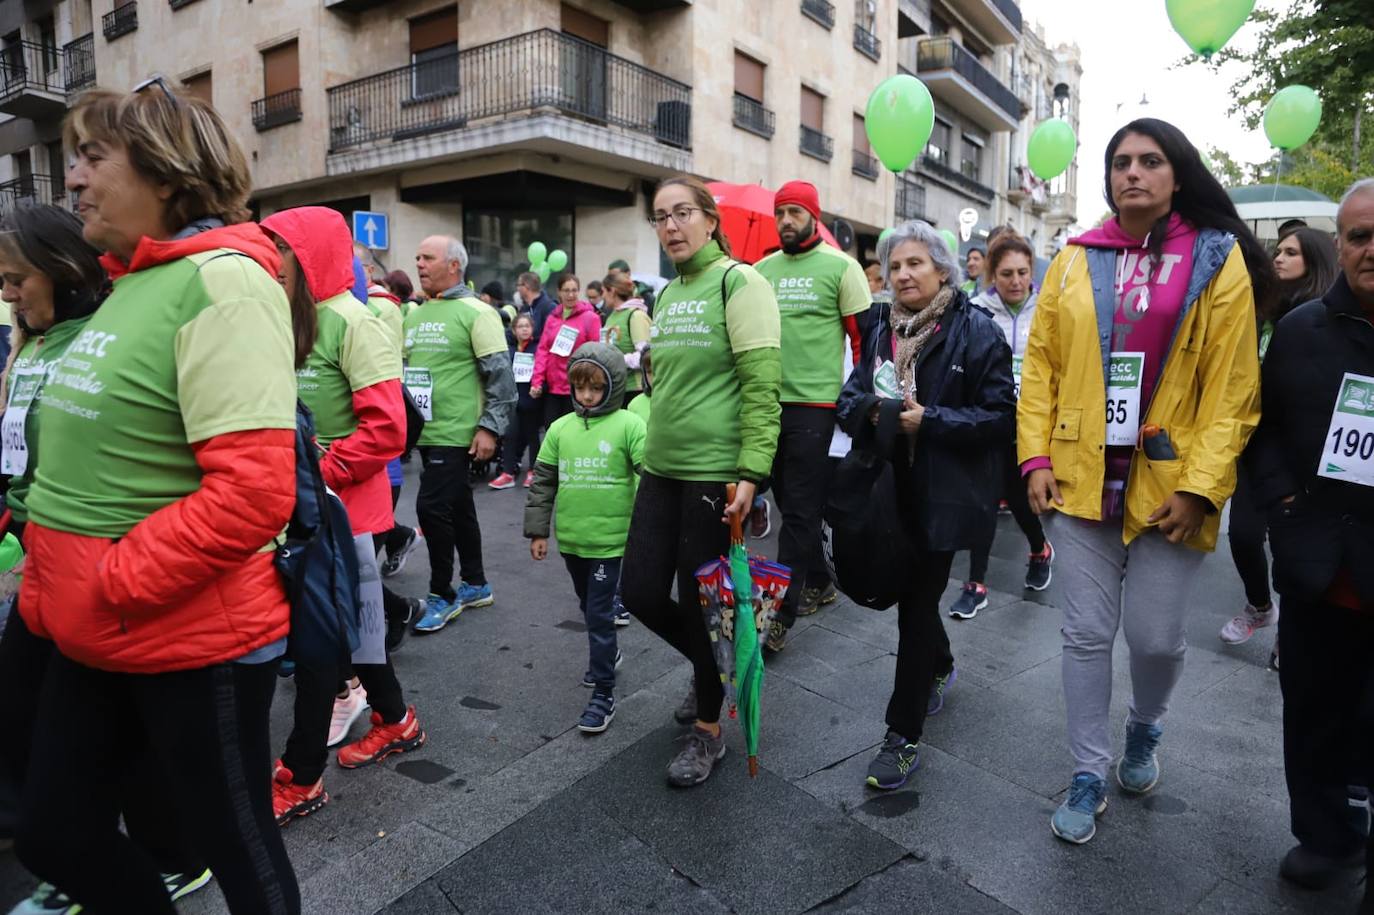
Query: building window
{"points": [[971, 158], [281, 87], [750, 114], [864, 162], [497, 240], [584, 66], [748, 77], [434, 53], [200, 86], [812, 110], [47, 37], [937, 147]]}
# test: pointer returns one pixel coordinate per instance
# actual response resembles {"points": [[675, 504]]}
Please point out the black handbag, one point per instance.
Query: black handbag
{"points": [[415, 420], [867, 545]]}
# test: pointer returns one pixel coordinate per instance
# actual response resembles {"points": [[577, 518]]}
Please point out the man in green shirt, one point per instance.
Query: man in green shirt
{"points": [[822, 293], [459, 374]]}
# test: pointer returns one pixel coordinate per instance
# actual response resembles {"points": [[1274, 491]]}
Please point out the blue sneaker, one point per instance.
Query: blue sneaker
{"points": [[470, 596], [1076, 819], [439, 612], [1138, 770], [895, 762], [599, 714], [938, 690]]}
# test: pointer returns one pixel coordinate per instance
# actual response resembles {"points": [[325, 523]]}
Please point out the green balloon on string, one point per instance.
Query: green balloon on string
{"points": [[543, 270], [1206, 25], [558, 259], [950, 240], [1292, 116], [536, 253], [1051, 148], [883, 235], [899, 119]]}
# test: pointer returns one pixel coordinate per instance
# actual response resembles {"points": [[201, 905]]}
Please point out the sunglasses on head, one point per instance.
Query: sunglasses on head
{"points": [[160, 82]]}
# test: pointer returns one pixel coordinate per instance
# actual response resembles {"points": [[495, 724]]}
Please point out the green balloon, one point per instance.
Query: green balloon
{"points": [[536, 253], [882, 236], [1292, 116], [899, 119], [950, 240], [1206, 25], [543, 270], [558, 259], [1051, 148]]}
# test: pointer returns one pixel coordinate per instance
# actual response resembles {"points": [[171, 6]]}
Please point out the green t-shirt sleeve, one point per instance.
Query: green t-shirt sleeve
{"points": [[368, 354], [488, 336], [640, 327], [854, 297], [234, 360], [635, 434], [751, 312]]}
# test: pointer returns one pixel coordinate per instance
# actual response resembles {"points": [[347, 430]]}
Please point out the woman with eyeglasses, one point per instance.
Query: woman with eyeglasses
{"points": [[717, 375], [568, 326], [150, 563]]}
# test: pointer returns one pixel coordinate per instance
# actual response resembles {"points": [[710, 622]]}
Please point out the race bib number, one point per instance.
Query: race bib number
{"points": [[563, 343], [523, 367], [24, 385], [1349, 451], [1125, 373], [885, 381], [1016, 376], [421, 387]]}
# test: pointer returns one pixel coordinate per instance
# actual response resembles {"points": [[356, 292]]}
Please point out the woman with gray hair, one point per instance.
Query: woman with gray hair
{"points": [[932, 393]]}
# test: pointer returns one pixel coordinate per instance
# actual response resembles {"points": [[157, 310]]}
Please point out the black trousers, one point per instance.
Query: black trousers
{"points": [[1327, 676], [801, 477], [923, 651], [675, 529], [1247, 532], [316, 686], [555, 406], [1018, 500], [396, 537], [208, 730], [448, 516], [522, 436]]}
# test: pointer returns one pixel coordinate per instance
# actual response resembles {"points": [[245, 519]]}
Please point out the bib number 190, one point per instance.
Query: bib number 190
{"points": [[1351, 443]]}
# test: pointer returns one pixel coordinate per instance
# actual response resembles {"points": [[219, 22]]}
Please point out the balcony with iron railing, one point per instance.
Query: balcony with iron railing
{"points": [[866, 43], [969, 186], [816, 144], [910, 201], [31, 82], [78, 64], [121, 20], [1063, 207], [997, 21], [35, 188], [539, 72], [277, 109], [865, 165], [955, 76], [821, 11], [753, 117]]}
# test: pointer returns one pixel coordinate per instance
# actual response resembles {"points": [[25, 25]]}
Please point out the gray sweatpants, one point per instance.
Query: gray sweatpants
{"points": [[1144, 589]]}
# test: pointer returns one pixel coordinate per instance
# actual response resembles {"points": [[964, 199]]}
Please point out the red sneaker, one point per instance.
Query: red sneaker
{"points": [[384, 740], [504, 481], [290, 800], [529, 478]]}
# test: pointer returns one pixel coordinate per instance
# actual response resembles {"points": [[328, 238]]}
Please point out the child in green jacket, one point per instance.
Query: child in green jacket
{"points": [[586, 474]]}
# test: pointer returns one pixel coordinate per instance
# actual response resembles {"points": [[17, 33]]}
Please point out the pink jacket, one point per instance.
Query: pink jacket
{"points": [[550, 369]]}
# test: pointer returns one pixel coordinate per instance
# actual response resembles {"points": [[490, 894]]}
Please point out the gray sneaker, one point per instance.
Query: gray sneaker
{"points": [[694, 762], [686, 713]]}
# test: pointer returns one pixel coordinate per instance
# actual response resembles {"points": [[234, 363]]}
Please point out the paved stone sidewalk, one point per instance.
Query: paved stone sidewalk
{"points": [[508, 808]]}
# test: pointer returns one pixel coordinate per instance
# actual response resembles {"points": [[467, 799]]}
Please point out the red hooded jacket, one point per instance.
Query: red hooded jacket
{"points": [[354, 466]]}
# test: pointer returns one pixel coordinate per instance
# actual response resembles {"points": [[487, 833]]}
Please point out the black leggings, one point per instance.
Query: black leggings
{"points": [[923, 651], [522, 436], [675, 529], [208, 730], [1018, 500], [1247, 531], [396, 537]]}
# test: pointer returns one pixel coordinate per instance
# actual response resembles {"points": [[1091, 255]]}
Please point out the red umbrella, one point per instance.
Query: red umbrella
{"points": [[746, 218]]}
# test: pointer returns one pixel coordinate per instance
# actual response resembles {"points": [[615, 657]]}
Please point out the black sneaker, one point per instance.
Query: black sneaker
{"points": [[1318, 872], [396, 561], [182, 885], [1038, 568], [812, 599], [397, 628], [895, 762], [973, 598]]}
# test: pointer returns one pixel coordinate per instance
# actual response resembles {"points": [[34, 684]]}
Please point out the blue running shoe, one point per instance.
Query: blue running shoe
{"points": [[938, 689], [470, 596], [1076, 819], [599, 714], [439, 612], [1138, 770], [897, 759]]}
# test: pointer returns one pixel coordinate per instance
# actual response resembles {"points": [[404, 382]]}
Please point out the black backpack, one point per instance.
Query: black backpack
{"points": [[318, 562]]}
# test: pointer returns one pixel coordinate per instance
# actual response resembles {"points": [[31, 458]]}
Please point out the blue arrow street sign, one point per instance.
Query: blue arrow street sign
{"points": [[371, 229]]}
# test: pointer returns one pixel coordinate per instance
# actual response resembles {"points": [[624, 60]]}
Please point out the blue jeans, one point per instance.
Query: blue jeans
{"points": [[595, 582]]}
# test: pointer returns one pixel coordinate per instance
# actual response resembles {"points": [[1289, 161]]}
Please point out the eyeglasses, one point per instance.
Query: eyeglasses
{"points": [[161, 83], [680, 216]]}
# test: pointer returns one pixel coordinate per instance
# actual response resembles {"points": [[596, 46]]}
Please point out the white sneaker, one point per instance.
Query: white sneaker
{"points": [[347, 709], [1240, 629]]}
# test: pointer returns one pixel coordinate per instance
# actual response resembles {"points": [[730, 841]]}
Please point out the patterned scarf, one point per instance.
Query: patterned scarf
{"points": [[913, 330]]}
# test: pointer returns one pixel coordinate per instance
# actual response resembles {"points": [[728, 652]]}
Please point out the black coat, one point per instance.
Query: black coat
{"points": [[540, 309], [949, 488], [1331, 523]]}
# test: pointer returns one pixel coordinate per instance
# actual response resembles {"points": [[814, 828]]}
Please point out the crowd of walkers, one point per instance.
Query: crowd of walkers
{"points": [[162, 341]]}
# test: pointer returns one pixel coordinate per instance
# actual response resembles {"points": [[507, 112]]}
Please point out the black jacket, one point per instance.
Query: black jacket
{"points": [[949, 488], [540, 309], [1331, 523]]}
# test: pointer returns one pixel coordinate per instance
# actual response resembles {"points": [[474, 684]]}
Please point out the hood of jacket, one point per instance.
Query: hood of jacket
{"points": [[378, 291], [1111, 235], [634, 303], [324, 249], [245, 237], [612, 363]]}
